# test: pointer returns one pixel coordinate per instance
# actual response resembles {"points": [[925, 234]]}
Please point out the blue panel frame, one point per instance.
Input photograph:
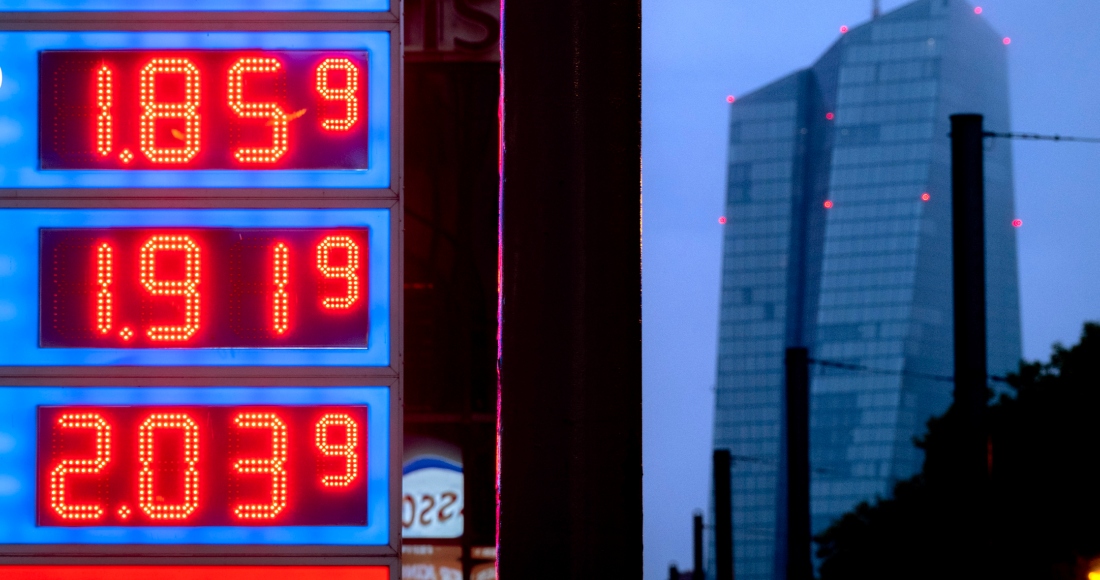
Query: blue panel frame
{"points": [[200, 5], [19, 164], [19, 259], [17, 465]]}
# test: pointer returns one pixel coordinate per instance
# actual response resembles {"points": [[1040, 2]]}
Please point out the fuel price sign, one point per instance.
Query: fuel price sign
{"points": [[199, 262]]}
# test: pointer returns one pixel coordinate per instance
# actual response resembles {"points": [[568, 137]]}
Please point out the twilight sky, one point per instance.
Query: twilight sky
{"points": [[695, 52]]}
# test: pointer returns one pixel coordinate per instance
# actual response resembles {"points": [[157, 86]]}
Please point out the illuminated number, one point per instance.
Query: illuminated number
{"points": [[346, 94], [274, 466], [80, 466], [282, 277], [153, 110], [347, 450], [278, 119], [103, 128], [150, 503], [103, 298], [348, 272], [188, 287]]}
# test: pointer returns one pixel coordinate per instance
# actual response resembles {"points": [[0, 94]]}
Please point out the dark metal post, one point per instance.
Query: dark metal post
{"points": [[570, 395], [697, 546], [968, 241], [723, 516], [797, 421]]}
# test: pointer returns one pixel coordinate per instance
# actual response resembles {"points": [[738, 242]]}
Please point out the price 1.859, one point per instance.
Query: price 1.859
{"points": [[250, 109]]}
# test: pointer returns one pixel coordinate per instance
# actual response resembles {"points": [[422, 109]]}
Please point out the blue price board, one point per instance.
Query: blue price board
{"points": [[86, 292], [200, 259]]}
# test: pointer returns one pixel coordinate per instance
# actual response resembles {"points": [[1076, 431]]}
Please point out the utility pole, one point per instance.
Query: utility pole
{"points": [[697, 546], [796, 420], [971, 391], [723, 516]]}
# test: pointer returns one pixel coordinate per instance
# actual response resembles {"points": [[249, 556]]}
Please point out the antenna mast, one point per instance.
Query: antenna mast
{"points": [[875, 9]]}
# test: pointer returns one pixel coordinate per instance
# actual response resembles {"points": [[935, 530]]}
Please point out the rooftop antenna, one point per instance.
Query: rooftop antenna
{"points": [[875, 9]]}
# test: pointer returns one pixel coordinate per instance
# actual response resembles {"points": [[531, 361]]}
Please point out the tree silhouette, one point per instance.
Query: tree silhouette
{"points": [[1043, 497]]}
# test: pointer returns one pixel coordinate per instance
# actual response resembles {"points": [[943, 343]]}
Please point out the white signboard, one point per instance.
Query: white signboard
{"points": [[432, 505]]}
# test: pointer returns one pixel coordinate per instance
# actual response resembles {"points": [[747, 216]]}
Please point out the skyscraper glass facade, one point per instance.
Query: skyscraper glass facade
{"points": [[838, 239]]}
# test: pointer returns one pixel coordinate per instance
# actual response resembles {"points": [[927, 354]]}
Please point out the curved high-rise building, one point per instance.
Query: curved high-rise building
{"points": [[838, 239]]}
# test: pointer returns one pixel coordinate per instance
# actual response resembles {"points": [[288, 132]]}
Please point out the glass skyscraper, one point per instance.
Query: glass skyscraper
{"points": [[838, 238]]}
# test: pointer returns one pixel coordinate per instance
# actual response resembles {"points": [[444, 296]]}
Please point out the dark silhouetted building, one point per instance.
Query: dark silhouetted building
{"points": [[838, 238]]}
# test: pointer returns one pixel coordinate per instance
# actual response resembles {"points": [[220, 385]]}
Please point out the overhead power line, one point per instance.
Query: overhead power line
{"points": [[917, 375], [1037, 137]]}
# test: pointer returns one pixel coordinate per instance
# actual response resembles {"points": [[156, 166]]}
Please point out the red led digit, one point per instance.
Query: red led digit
{"points": [[103, 276], [103, 124], [153, 110], [346, 94], [281, 275], [274, 466], [348, 271], [154, 506], [278, 119], [80, 466], [188, 287], [346, 450]]}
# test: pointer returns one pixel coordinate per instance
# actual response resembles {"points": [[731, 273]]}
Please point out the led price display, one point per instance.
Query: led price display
{"points": [[202, 466], [213, 109], [203, 287]]}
